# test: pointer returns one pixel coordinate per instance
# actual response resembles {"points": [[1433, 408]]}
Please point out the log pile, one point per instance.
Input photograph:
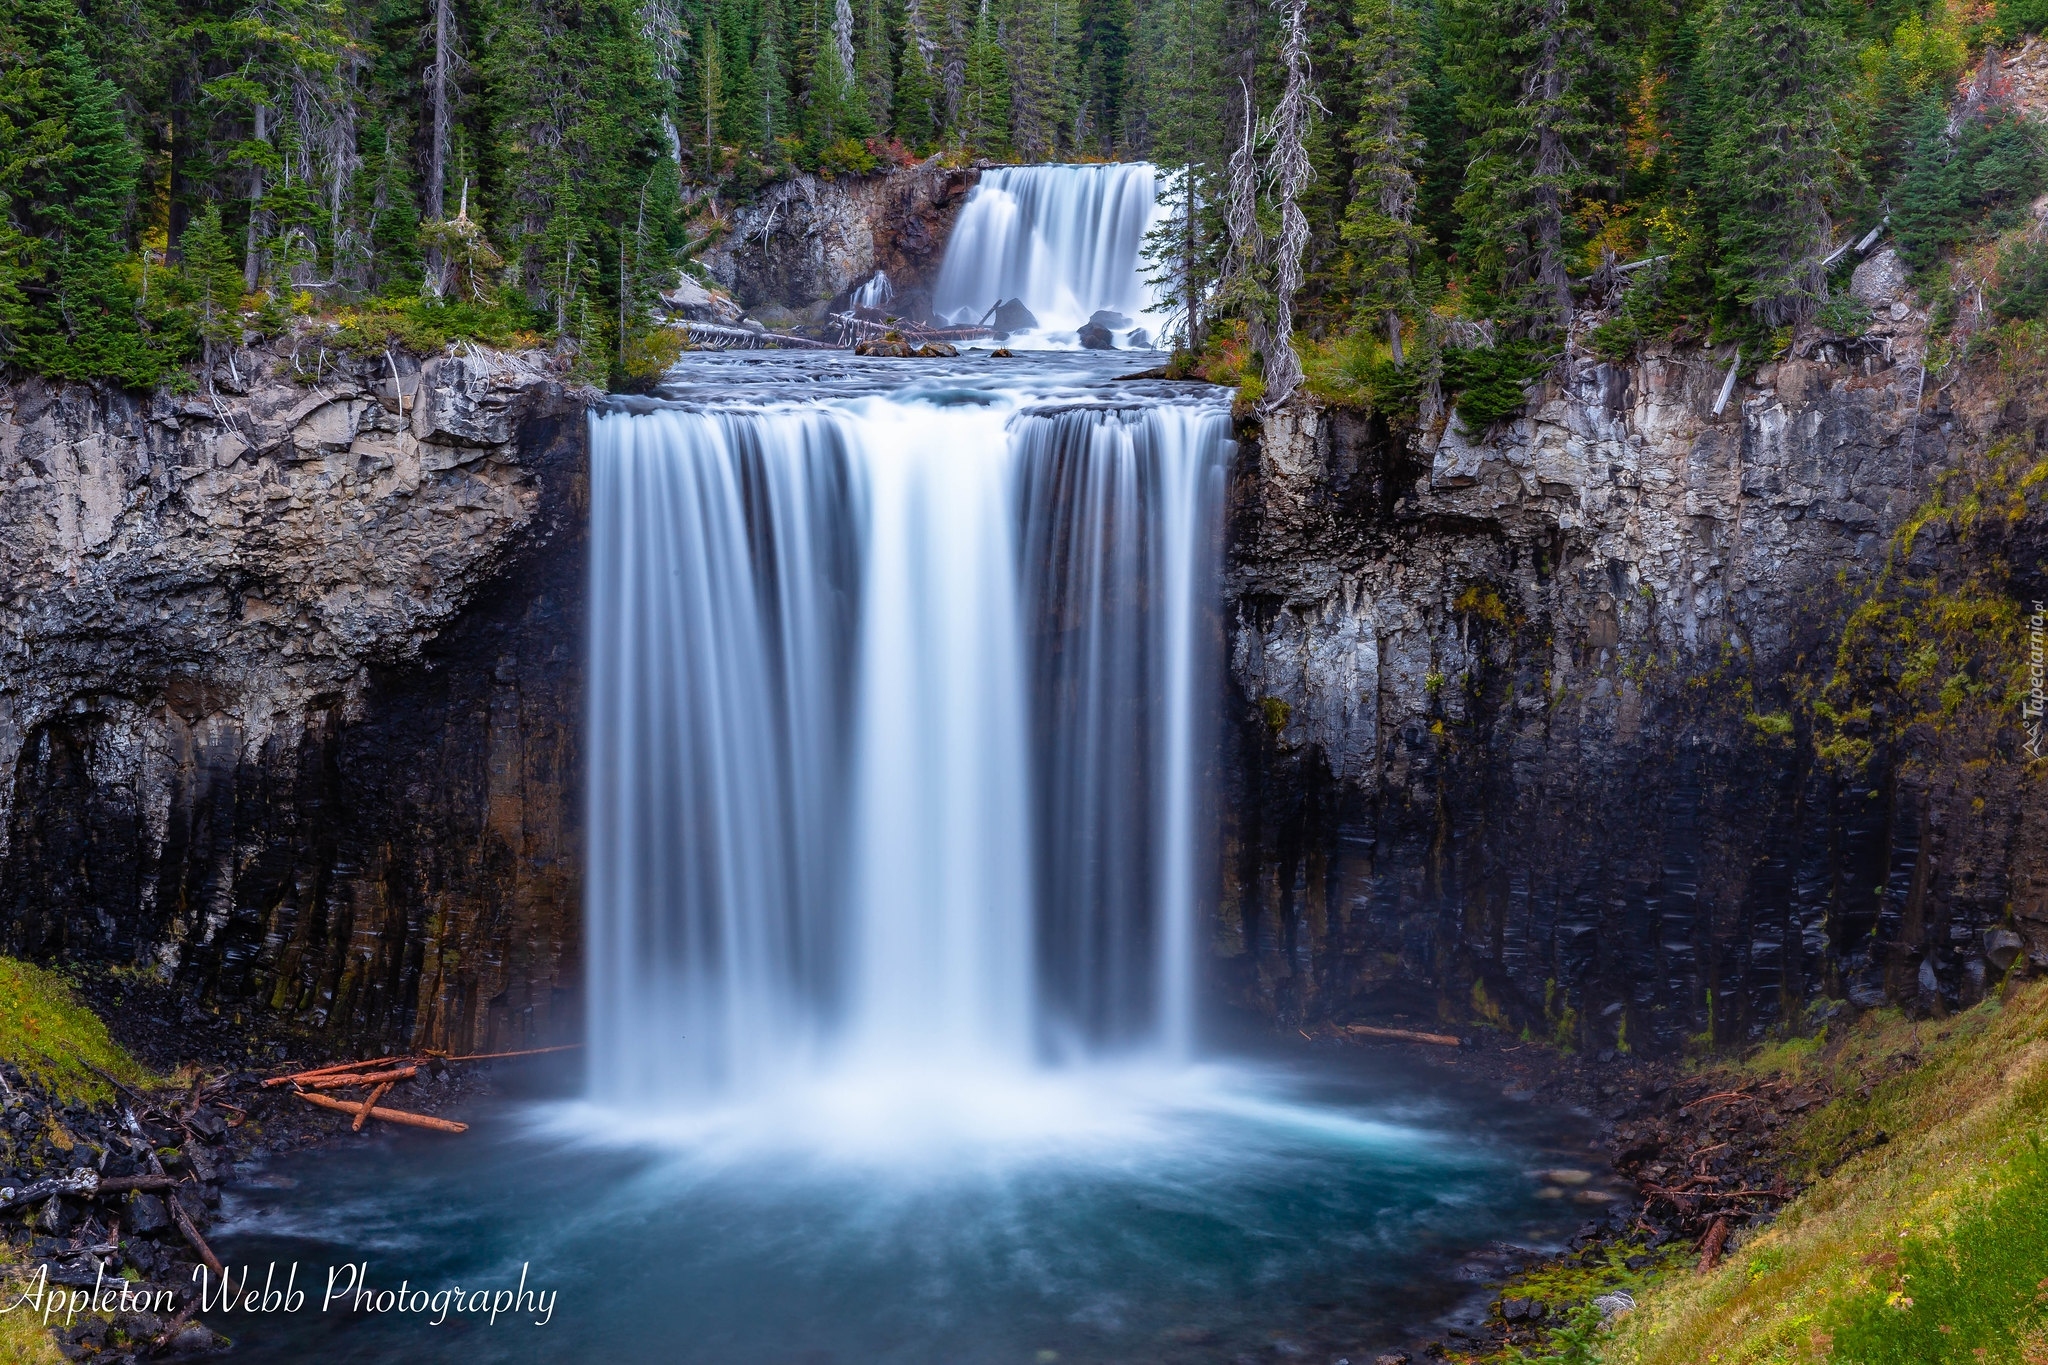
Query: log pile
{"points": [[719, 336], [852, 330], [378, 1075]]}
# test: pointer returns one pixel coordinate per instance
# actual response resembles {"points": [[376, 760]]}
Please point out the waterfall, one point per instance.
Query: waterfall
{"points": [[1067, 240], [896, 710]]}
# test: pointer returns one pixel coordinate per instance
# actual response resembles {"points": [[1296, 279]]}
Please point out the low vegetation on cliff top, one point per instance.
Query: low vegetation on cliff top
{"points": [[1923, 1239], [56, 1042]]}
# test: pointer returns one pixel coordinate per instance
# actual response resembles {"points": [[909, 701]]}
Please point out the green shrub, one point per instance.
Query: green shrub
{"points": [[2022, 289], [1487, 385]]}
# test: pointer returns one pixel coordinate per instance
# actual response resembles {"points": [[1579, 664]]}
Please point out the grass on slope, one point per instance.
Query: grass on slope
{"points": [[57, 1042], [24, 1340], [1924, 1240]]}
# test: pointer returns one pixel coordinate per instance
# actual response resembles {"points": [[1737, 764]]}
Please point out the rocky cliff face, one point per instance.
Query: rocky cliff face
{"points": [[808, 241], [288, 687], [1524, 723]]}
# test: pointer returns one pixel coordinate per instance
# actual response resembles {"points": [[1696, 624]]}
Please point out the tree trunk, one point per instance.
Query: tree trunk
{"points": [[1554, 290], [437, 155], [252, 259]]}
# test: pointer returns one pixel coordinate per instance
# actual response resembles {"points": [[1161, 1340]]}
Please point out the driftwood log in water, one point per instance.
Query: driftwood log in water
{"points": [[410, 1120], [1404, 1035]]}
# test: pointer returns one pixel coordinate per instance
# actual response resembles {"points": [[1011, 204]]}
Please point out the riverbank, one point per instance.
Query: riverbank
{"points": [[125, 1113], [1871, 1192]]}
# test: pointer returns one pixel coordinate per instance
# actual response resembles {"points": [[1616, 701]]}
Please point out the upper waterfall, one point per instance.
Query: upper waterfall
{"points": [[1067, 240]]}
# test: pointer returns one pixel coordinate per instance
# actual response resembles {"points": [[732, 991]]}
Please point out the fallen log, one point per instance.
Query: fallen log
{"points": [[717, 336], [523, 1052], [1710, 1250], [184, 1222], [411, 1120], [330, 1070], [82, 1181], [363, 1114], [403, 1073], [122, 1184], [1405, 1035]]}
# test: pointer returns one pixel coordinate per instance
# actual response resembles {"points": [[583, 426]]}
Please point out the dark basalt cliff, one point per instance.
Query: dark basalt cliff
{"points": [[1522, 727], [1525, 728], [288, 689]]}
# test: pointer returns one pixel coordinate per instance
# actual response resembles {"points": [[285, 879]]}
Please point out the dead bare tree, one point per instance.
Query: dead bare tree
{"points": [[1290, 171]]}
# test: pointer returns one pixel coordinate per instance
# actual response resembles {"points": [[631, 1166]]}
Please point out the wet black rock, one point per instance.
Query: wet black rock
{"points": [[1108, 321], [1012, 316], [1095, 338]]}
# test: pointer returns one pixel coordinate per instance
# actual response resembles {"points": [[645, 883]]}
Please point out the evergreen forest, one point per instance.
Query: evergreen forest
{"points": [[1354, 182]]}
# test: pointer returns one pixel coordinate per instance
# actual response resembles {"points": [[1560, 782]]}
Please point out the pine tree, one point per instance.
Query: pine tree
{"points": [[214, 282], [920, 97], [984, 120], [1289, 171], [770, 115], [1040, 39], [711, 98], [1379, 226], [72, 203], [1771, 73], [871, 71], [1179, 58], [1104, 51], [1525, 68]]}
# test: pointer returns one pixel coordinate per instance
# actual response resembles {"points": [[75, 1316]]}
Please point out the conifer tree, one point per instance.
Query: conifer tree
{"points": [[770, 114], [1772, 72], [1379, 226], [214, 278], [1525, 68], [1178, 56], [871, 66], [984, 119], [1040, 38], [920, 96], [71, 203]]}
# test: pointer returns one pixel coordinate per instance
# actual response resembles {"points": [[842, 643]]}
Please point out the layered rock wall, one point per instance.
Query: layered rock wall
{"points": [[1512, 733], [288, 685], [807, 241]]}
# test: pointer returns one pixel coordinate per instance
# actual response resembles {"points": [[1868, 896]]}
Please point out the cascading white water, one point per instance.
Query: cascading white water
{"points": [[1067, 240], [895, 713]]}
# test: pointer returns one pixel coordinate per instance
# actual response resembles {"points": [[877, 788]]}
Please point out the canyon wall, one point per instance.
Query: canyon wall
{"points": [[796, 251], [288, 688], [1522, 725]]}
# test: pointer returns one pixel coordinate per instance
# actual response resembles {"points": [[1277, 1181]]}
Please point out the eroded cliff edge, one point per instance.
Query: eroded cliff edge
{"points": [[288, 688], [1520, 725]]}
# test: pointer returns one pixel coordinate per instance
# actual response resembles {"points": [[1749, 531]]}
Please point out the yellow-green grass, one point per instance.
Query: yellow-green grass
{"points": [[24, 1340], [56, 1042], [1924, 1240]]}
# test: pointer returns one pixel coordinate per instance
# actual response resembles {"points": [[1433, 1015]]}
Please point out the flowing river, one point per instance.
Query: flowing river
{"points": [[903, 687]]}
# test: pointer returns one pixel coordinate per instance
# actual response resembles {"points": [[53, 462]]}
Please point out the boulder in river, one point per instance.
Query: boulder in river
{"points": [[1103, 317], [1012, 316], [1139, 339], [1096, 338]]}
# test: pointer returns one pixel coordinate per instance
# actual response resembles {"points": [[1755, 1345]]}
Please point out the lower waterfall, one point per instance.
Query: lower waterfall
{"points": [[896, 710]]}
